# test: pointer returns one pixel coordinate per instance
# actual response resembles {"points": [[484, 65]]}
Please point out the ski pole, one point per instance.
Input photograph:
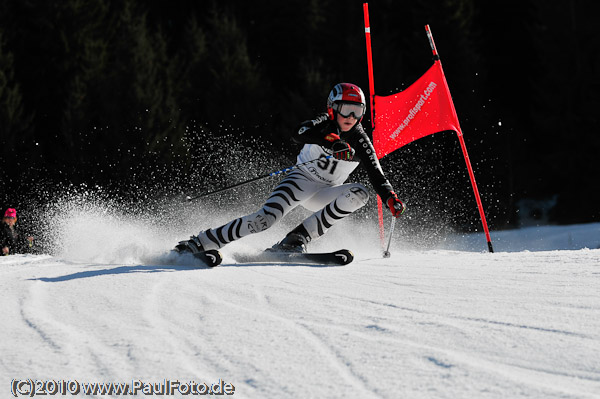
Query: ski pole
{"points": [[276, 173], [386, 253]]}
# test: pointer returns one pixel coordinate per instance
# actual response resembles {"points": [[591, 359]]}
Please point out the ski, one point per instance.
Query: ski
{"points": [[339, 258]]}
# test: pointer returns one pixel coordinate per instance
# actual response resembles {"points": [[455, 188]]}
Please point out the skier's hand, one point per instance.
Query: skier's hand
{"points": [[395, 205], [342, 150]]}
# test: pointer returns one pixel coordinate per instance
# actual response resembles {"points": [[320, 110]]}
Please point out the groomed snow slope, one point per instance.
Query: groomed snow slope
{"points": [[423, 324]]}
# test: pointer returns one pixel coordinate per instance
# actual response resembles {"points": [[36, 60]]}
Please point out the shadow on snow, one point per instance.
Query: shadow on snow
{"points": [[165, 268]]}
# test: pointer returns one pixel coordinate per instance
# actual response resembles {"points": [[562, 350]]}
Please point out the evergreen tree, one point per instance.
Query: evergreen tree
{"points": [[82, 34], [14, 122], [234, 85], [132, 114]]}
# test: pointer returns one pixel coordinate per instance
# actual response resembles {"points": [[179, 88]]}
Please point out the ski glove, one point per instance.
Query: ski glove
{"points": [[395, 205], [341, 150]]}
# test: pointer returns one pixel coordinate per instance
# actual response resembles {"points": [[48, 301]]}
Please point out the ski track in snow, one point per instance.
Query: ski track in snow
{"points": [[422, 324]]}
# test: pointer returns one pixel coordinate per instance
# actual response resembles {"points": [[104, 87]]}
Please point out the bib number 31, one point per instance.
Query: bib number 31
{"points": [[327, 164]]}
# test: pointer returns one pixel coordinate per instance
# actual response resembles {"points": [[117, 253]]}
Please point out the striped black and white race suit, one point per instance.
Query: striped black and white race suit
{"points": [[318, 186]]}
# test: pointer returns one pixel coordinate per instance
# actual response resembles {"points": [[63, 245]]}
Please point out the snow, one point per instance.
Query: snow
{"points": [[447, 322]]}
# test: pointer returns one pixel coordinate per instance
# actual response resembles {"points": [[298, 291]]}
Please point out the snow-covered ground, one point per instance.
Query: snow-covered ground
{"points": [[451, 322]]}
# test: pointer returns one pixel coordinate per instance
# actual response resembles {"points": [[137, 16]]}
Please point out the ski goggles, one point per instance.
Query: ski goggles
{"points": [[347, 109]]}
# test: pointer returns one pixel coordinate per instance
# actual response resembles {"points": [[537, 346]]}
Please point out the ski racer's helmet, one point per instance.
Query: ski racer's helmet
{"points": [[10, 213], [346, 99]]}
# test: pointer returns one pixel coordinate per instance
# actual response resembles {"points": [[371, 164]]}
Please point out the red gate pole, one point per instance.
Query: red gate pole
{"points": [[372, 104], [463, 147]]}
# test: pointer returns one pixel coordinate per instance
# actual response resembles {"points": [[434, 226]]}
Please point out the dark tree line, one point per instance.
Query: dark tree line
{"points": [[156, 94]]}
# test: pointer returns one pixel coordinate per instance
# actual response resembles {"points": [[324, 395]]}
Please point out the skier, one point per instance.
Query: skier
{"points": [[318, 186], [10, 239]]}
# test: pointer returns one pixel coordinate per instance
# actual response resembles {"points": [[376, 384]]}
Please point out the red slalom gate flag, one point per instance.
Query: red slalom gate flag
{"points": [[422, 109]]}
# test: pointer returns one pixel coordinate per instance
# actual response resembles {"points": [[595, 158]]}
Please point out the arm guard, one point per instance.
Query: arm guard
{"points": [[365, 152]]}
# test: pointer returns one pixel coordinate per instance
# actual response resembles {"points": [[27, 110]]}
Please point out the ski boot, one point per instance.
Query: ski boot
{"points": [[211, 257], [294, 242], [193, 246]]}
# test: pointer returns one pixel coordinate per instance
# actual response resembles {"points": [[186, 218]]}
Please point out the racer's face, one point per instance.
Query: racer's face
{"points": [[346, 123], [10, 220]]}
